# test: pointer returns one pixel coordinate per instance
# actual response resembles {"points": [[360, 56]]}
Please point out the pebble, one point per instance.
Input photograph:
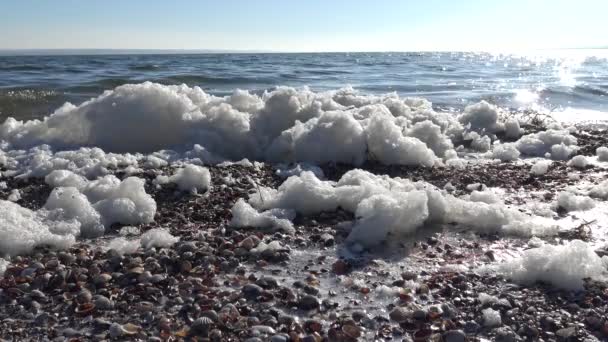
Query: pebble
{"points": [[565, 334], [309, 302], [327, 239], [103, 303], [471, 327], [399, 314], [201, 326], [505, 334], [278, 338], [252, 291], [454, 336], [211, 314], [250, 242], [548, 323], [84, 296]]}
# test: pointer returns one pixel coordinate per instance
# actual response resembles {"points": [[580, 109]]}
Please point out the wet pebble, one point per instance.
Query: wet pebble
{"points": [[399, 314], [252, 291], [454, 336], [201, 326], [103, 303], [309, 302]]}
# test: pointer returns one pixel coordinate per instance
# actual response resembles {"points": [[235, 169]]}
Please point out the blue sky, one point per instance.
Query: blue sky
{"points": [[304, 25]]}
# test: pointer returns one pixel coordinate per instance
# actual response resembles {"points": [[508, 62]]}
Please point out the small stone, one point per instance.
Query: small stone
{"points": [[358, 315], [101, 280], [529, 331], [327, 239], [548, 323], [593, 322], [505, 334], [84, 296], [409, 275], [278, 338], [352, 331], [215, 335], [309, 302], [340, 267], [116, 330], [471, 327], [252, 291], [454, 336], [313, 325], [566, 334], [267, 282], [211, 314], [422, 289], [201, 327], [250, 242], [103, 303], [419, 315], [399, 314]]}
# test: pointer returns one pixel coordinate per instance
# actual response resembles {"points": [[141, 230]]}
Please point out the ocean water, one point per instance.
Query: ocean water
{"points": [[567, 81]]}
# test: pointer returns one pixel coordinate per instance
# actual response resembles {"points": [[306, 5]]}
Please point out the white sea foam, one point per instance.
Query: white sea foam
{"points": [[387, 206], [283, 125], [563, 266]]}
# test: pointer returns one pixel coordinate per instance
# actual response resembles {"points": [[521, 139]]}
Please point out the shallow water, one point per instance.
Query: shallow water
{"points": [[567, 80]]}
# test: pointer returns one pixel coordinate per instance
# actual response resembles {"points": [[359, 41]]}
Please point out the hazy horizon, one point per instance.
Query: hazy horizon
{"points": [[110, 51]]}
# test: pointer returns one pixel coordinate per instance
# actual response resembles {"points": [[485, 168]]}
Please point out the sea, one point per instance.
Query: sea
{"points": [[571, 82]]}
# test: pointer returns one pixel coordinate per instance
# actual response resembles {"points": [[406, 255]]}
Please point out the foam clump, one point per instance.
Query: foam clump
{"points": [[264, 247], [563, 266], [65, 178], [512, 128], [505, 152], [579, 162], [40, 161], [541, 167], [192, 178], [486, 196], [71, 204], [571, 202], [157, 237], [333, 137], [244, 215], [3, 265], [555, 142], [481, 116], [388, 145], [282, 125], [123, 202], [561, 151], [22, 229], [385, 206], [600, 190], [305, 194], [14, 195], [602, 153], [380, 216], [123, 246], [478, 142]]}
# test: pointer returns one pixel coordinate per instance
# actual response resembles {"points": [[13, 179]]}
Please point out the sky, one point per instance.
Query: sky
{"points": [[304, 25]]}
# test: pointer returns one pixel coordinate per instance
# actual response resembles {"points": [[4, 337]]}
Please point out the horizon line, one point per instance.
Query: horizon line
{"points": [[110, 51]]}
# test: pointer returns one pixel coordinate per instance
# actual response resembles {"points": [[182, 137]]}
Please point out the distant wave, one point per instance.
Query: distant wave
{"points": [[591, 90], [579, 92], [145, 67], [24, 67], [201, 79]]}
